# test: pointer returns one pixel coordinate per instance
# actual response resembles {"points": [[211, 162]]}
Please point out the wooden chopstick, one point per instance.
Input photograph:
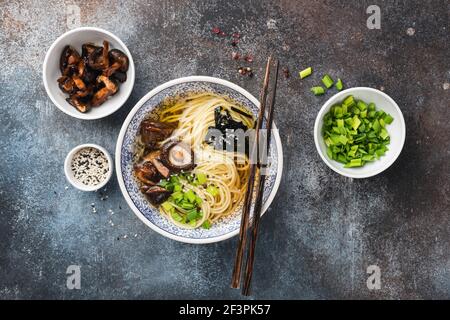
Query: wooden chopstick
{"points": [[236, 278], [259, 196]]}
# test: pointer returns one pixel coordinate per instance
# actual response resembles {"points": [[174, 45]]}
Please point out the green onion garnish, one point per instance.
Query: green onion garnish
{"points": [[212, 190], [305, 73], [192, 215], [318, 91], [176, 217], [339, 85], [327, 81], [206, 224], [201, 178], [189, 196], [355, 132]]}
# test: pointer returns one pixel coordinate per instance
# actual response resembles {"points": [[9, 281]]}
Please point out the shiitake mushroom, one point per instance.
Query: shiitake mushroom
{"points": [[147, 173], [68, 62], [177, 156], [78, 103], [88, 49], [119, 76], [156, 194], [98, 59], [110, 88], [92, 77], [66, 84], [153, 132], [120, 58]]}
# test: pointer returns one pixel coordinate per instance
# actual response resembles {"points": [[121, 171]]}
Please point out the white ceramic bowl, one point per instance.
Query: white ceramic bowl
{"points": [[69, 174], [51, 72], [396, 129], [125, 151]]}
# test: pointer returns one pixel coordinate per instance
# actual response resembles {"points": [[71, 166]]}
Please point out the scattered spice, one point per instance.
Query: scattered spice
{"points": [[286, 73], [235, 37], [248, 58], [90, 166], [245, 71]]}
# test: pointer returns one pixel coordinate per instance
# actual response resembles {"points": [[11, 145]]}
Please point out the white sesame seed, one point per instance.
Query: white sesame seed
{"points": [[90, 166]]}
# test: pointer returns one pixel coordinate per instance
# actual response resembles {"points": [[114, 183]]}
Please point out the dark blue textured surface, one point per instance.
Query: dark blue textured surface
{"points": [[322, 231]]}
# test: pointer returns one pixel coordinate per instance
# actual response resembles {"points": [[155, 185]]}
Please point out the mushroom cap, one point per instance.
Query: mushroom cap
{"points": [[178, 156], [118, 56], [69, 60]]}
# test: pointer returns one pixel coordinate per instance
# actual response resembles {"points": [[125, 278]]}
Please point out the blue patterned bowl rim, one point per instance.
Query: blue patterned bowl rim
{"points": [[150, 215]]}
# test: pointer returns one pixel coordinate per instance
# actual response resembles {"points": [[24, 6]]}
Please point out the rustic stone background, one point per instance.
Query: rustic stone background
{"points": [[322, 231]]}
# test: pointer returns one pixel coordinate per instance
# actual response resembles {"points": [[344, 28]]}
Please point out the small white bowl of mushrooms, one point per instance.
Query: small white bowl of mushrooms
{"points": [[88, 73]]}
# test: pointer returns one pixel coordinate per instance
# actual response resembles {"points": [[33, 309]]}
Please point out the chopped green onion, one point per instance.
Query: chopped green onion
{"points": [[361, 105], [376, 125], [339, 85], [167, 206], [330, 153], [186, 205], [384, 134], [349, 102], [327, 81], [305, 73], [174, 179], [201, 178], [206, 225], [388, 119], [176, 217], [192, 215], [356, 122], [189, 196], [163, 183], [354, 163], [318, 91], [355, 132], [212, 190], [192, 223], [177, 196]]}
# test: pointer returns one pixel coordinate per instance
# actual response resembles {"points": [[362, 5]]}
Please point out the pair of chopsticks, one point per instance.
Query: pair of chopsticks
{"points": [[245, 218]]}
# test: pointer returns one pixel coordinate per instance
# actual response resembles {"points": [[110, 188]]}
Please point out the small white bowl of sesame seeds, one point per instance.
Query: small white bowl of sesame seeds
{"points": [[88, 167]]}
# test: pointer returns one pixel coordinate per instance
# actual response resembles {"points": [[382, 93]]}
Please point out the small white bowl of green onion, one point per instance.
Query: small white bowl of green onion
{"points": [[359, 132]]}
